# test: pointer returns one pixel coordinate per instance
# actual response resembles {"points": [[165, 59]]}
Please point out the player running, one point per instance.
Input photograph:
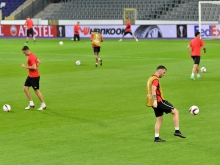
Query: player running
{"points": [[29, 25]]}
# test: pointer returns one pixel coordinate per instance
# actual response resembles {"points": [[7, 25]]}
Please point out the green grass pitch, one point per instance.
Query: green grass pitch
{"points": [[97, 116]]}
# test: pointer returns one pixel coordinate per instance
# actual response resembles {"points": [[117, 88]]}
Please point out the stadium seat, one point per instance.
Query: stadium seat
{"points": [[146, 9], [11, 5]]}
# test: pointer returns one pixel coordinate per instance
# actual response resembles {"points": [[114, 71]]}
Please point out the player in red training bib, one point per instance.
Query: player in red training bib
{"points": [[96, 39]]}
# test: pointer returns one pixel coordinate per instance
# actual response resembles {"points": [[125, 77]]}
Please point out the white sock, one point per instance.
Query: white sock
{"points": [[192, 75], [177, 128], [31, 102], [156, 134], [99, 59], [43, 104], [198, 75]]}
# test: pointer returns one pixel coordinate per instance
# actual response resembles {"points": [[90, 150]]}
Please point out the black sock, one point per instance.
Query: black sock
{"points": [[177, 131]]}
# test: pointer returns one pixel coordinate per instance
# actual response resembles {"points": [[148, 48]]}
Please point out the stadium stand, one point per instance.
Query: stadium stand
{"points": [[11, 5], [146, 10], [186, 10]]}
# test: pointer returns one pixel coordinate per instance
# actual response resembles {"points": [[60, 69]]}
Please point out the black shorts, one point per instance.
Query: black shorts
{"points": [[76, 37], [32, 82], [96, 49], [163, 106], [125, 33], [196, 59], [30, 31]]}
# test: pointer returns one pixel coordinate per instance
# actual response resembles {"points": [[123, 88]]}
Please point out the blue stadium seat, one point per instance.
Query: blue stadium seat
{"points": [[11, 5]]}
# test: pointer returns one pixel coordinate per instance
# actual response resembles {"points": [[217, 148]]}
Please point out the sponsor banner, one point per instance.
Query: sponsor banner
{"points": [[207, 31], [61, 31], [155, 31], [141, 31], [20, 31], [181, 31], [106, 31], [1, 34]]}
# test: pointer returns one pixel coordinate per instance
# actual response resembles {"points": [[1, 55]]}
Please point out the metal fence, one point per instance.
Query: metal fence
{"points": [[32, 9]]}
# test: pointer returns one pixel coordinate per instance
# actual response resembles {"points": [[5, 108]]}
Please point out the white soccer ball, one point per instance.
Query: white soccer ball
{"points": [[6, 108], [194, 110], [203, 69], [61, 42], [78, 62]]}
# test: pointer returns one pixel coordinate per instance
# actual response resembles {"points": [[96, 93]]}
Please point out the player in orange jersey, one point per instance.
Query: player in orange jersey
{"points": [[29, 25], [128, 30], [76, 29], [33, 78], [194, 49]]}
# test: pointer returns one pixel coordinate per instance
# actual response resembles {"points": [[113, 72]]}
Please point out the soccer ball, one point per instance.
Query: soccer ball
{"points": [[203, 69], [78, 62], [61, 42], [6, 108], [194, 110]]}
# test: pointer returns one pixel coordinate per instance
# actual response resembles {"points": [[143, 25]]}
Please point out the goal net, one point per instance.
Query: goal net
{"points": [[209, 19], [131, 14]]}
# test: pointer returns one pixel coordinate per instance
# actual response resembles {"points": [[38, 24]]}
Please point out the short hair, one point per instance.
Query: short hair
{"points": [[95, 30], [196, 34], [25, 48], [161, 67]]}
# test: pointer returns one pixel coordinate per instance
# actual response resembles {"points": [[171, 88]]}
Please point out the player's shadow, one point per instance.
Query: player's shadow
{"points": [[82, 120]]}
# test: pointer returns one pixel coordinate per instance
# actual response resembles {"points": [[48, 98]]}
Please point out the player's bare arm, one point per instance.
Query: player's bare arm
{"points": [[204, 49], [25, 24], [33, 67], [189, 49], [154, 96], [38, 62]]}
